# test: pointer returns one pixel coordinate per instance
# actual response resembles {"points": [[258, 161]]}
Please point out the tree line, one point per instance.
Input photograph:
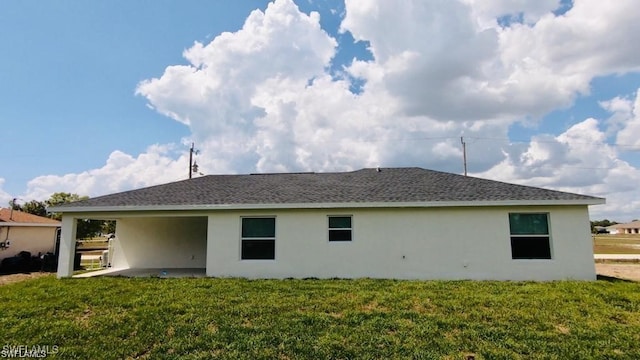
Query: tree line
{"points": [[87, 228]]}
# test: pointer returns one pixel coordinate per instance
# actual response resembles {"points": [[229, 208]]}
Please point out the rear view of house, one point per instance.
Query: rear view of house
{"points": [[404, 223]]}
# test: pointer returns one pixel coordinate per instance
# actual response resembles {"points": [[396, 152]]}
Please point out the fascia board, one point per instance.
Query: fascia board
{"points": [[426, 204]]}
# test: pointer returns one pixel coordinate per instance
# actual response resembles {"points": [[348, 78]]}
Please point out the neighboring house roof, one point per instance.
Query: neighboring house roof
{"points": [[15, 216], [631, 225], [366, 187]]}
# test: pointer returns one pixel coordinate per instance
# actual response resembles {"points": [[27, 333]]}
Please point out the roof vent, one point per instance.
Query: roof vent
{"points": [[378, 169]]}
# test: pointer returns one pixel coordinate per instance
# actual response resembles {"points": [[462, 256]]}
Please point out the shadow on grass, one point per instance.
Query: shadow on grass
{"points": [[612, 279]]}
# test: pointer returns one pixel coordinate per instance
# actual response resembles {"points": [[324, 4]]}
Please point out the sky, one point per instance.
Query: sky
{"points": [[104, 96]]}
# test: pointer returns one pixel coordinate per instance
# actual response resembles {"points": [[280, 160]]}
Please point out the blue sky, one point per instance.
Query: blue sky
{"points": [[105, 96]]}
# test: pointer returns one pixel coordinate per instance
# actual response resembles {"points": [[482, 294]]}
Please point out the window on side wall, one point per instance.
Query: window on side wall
{"points": [[258, 238], [529, 236], [340, 228]]}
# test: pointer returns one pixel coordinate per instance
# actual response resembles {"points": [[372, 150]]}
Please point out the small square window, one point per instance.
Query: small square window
{"points": [[529, 236], [340, 228], [258, 239]]}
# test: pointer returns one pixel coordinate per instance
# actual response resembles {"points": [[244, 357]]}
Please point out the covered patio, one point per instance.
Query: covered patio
{"points": [[155, 244]]}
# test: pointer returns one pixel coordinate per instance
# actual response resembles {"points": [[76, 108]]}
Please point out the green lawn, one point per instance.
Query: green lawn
{"points": [[616, 244], [322, 319]]}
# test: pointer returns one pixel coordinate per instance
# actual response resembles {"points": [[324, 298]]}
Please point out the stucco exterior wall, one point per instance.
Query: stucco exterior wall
{"points": [[160, 242], [418, 243], [26, 238]]}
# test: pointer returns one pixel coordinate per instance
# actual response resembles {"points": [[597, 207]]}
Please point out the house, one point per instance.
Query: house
{"points": [[615, 229], [404, 223], [20, 231], [628, 228]]}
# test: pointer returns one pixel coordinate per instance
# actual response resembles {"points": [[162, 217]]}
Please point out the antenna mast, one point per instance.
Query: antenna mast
{"points": [[464, 154]]}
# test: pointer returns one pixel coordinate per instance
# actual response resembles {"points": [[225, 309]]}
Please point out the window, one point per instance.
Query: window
{"points": [[258, 238], [340, 228], [529, 236]]}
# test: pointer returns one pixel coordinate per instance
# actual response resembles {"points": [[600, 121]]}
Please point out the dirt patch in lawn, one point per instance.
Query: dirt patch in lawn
{"points": [[14, 278], [626, 271]]}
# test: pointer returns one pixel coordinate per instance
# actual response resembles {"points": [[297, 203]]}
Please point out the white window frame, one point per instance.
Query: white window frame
{"points": [[329, 228], [547, 236], [275, 235]]}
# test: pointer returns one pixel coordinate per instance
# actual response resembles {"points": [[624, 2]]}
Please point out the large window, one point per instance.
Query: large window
{"points": [[258, 238], [340, 228], [529, 236]]}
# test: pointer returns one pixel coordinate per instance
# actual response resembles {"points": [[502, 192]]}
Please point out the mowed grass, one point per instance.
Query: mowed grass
{"points": [[616, 244], [151, 318]]}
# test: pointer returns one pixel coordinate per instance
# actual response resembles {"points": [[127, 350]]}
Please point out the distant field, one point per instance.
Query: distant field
{"points": [[151, 318], [616, 244], [90, 249]]}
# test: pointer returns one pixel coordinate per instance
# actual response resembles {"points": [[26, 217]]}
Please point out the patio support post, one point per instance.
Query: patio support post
{"points": [[67, 251], [210, 246]]}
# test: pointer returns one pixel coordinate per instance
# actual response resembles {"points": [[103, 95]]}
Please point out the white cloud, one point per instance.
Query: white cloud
{"points": [[4, 196], [438, 59], [578, 160], [625, 120], [120, 172], [487, 11]]}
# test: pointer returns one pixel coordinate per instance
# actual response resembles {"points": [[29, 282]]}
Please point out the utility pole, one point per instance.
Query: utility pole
{"points": [[193, 167], [464, 154], [13, 204]]}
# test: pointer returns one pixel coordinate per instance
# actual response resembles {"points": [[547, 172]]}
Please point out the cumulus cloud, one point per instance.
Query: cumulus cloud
{"points": [[120, 172], [263, 98], [488, 12], [4, 196], [578, 160], [440, 61], [218, 94], [625, 121]]}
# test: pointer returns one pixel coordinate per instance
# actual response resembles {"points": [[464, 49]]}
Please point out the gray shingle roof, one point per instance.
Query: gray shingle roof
{"points": [[389, 185]]}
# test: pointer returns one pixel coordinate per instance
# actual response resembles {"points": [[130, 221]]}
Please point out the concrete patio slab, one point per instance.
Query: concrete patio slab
{"points": [[616, 256], [161, 273]]}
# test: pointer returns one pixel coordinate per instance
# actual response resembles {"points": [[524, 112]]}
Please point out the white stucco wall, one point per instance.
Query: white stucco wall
{"points": [[27, 238], [424, 243], [160, 242]]}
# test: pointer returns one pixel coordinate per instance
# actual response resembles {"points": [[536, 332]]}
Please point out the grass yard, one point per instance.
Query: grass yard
{"points": [[616, 244], [151, 318]]}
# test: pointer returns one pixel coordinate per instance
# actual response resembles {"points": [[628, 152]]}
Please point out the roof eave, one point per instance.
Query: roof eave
{"points": [[342, 205], [27, 224]]}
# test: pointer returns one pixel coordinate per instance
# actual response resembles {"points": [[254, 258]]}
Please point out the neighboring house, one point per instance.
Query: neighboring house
{"points": [[404, 223], [628, 228], [615, 229], [20, 231]]}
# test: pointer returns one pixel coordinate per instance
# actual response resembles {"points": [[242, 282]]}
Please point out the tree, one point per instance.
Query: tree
{"points": [[35, 207], [86, 228], [32, 207], [60, 198], [602, 223], [14, 205], [109, 227]]}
